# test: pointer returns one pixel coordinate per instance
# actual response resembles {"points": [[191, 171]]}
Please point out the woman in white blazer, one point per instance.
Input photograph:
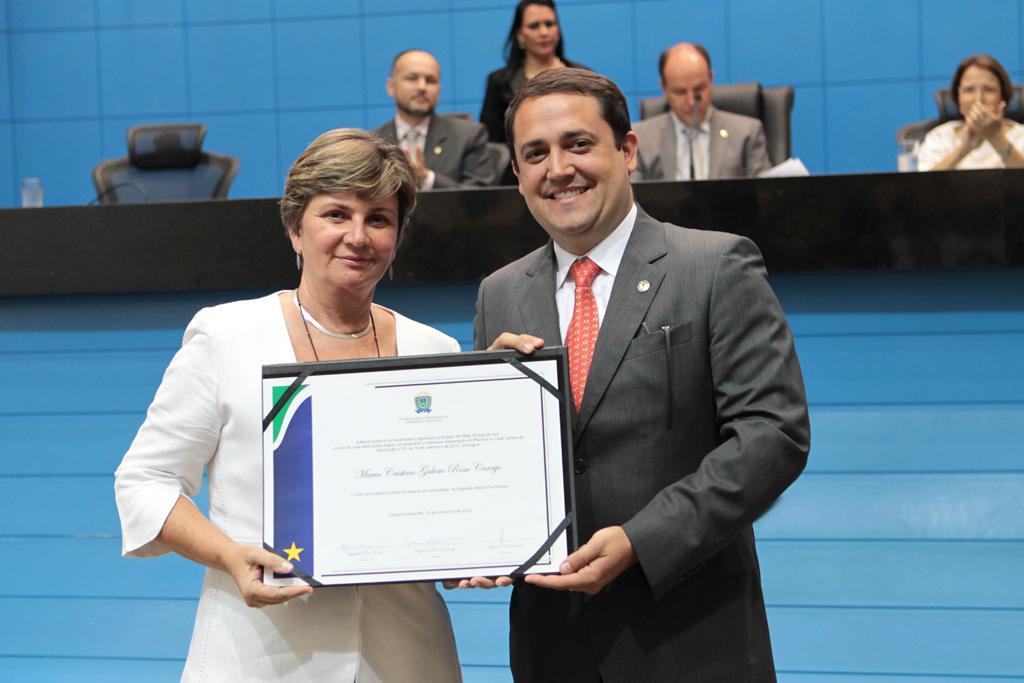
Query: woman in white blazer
{"points": [[346, 200]]}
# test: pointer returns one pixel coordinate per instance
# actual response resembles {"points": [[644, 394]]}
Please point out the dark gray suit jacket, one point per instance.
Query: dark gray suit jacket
{"points": [[684, 438], [741, 153], [455, 150]]}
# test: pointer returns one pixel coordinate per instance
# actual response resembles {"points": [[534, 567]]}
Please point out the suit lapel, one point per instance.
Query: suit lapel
{"points": [[437, 134], [537, 305], [642, 260], [716, 148], [668, 148], [389, 132]]}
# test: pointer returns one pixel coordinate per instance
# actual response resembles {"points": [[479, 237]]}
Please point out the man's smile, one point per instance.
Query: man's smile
{"points": [[570, 193]]}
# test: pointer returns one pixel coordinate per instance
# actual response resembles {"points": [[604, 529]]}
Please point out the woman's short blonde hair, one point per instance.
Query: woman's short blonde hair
{"points": [[349, 160]]}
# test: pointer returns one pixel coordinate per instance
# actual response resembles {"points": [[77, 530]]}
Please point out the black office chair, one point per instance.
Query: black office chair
{"points": [[948, 110], [501, 158], [773, 106], [164, 162]]}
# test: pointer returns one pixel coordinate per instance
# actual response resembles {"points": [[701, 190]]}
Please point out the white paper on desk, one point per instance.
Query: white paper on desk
{"points": [[475, 483], [790, 168]]}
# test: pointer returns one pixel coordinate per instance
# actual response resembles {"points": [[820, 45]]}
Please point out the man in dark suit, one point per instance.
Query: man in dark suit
{"points": [[723, 144], [446, 151], [690, 416]]}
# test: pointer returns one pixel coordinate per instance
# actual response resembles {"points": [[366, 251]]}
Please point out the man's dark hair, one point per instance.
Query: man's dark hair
{"points": [[664, 58], [573, 82], [989, 63]]}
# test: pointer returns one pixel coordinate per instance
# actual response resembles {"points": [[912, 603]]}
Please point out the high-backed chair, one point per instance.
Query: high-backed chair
{"points": [[501, 158], [773, 106], [948, 110], [164, 162]]}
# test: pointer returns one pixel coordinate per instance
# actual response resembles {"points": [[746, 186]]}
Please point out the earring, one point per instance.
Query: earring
{"points": [[298, 261], [391, 271], [522, 44]]}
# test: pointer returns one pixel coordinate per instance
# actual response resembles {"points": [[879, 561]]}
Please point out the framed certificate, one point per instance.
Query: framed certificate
{"points": [[418, 468]]}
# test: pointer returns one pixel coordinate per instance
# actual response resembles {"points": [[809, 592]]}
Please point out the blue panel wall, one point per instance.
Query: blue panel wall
{"points": [[271, 74], [897, 555]]}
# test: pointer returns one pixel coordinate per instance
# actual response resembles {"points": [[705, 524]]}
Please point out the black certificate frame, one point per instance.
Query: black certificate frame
{"points": [[299, 372]]}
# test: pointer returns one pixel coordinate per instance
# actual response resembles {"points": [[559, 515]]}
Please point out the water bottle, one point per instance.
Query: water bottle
{"points": [[906, 159], [31, 193]]}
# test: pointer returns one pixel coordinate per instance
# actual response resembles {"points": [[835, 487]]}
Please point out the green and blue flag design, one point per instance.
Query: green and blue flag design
{"points": [[293, 479]]}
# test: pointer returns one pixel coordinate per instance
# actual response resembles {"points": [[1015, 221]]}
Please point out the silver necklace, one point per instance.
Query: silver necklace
{"points": [[306, 317], [323, 330]]}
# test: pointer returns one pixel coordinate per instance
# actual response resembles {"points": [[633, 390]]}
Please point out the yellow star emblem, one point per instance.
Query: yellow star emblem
{"points": [[293, 553]]}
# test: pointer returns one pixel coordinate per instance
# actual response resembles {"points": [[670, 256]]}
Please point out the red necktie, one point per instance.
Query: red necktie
{"points": [[583, 328]]}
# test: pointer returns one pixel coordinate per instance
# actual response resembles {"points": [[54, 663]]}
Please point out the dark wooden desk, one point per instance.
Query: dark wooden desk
{"points": [[871, 221]]}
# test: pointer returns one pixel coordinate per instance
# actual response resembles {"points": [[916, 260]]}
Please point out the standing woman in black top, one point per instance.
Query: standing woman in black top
{"points": [[534, 44]]}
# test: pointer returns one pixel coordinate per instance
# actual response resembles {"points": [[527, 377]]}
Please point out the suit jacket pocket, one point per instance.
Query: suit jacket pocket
{"points": [[655, 341]]}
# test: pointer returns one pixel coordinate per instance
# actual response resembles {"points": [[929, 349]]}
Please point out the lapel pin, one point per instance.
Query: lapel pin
{"points": [[643, 286], [438, 150], [723, 133]]}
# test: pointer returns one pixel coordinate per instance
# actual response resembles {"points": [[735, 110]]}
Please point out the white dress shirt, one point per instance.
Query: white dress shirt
{"points": [[607, 255], [701, 148], [402, 130]]}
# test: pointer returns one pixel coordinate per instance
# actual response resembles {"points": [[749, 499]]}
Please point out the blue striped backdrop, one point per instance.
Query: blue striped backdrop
{"points": [[897, 556]]}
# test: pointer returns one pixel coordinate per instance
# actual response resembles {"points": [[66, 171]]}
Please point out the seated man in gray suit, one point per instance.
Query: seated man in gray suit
{"points": [[446, 152], [724, 145]]}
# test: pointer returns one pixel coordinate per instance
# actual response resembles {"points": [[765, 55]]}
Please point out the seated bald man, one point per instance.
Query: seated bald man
{"points": [[446, 151], [723, 144]]}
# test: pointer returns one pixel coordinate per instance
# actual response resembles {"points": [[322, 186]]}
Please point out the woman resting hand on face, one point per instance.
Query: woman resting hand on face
{"points": [[346, 201], [983, 138]]}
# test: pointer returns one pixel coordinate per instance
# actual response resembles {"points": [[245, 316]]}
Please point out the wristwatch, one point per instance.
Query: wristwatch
{"points": [[1006, 150]]}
